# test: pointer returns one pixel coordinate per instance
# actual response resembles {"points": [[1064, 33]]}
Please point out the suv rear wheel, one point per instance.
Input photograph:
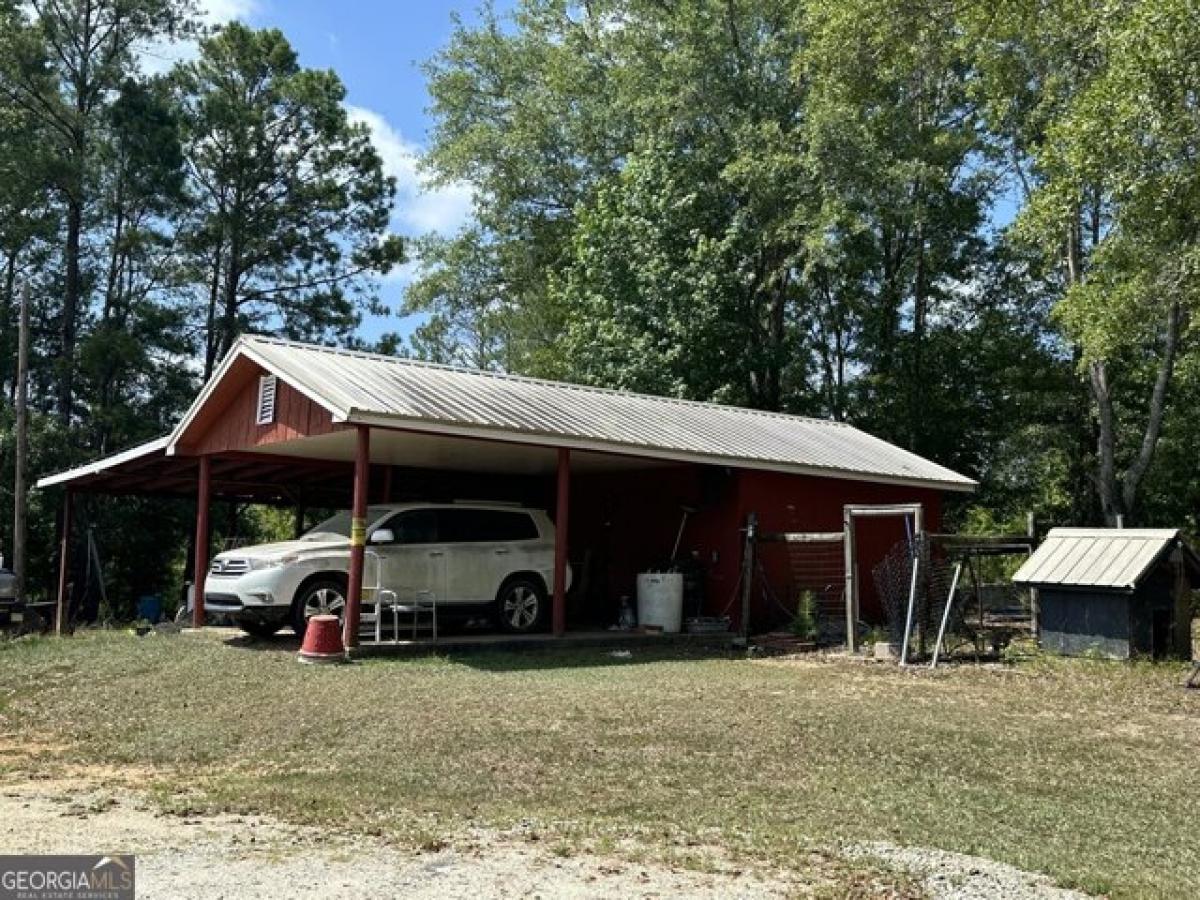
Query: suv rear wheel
{"points": [[324, 596], [521, 604]]}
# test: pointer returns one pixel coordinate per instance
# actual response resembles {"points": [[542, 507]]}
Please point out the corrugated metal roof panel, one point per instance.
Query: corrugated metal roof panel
{"points": [[368, 387], [1096, 557], [141, 451]]}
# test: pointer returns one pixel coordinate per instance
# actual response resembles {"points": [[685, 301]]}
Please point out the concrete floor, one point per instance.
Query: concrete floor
{"points": [[495, 641]]}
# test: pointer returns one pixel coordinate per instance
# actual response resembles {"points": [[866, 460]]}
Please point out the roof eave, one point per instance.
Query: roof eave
{"points": [[103, 464], [548, 439]]}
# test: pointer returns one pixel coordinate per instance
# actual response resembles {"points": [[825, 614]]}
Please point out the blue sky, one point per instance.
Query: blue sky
{"points": [[377, 47]]}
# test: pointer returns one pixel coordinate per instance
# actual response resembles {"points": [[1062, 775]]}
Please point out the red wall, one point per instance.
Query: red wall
{"points": [[230, 419], [806, 503], [628, 521]]}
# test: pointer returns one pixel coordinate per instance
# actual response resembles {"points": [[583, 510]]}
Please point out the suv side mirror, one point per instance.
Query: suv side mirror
{"points": [[383, 536]]}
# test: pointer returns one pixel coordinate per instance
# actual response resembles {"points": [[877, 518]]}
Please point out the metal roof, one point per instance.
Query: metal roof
{"points": [[1115, 558], [364, 388], [142, 451]]}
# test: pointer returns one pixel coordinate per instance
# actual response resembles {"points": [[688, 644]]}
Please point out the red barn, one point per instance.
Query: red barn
{"points": [[284, 422]]}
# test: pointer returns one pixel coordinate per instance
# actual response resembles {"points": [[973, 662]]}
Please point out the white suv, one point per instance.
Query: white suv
{"points": [[477, 558]]}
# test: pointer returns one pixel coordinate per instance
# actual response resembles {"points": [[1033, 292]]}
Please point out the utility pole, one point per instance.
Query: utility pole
{"points": [[20, 488]]}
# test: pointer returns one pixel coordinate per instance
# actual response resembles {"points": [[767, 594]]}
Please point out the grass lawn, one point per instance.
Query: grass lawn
{"points": [[1084, 770]]}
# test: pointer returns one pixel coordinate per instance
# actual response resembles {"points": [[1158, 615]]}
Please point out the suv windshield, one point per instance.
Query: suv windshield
{"points": [[338, 526]]}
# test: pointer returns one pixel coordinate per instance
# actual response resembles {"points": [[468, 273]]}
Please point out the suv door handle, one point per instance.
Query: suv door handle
{"points": [[500, 551], [436, 553]]}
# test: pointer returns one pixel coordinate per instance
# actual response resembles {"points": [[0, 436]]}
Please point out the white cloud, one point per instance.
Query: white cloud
{"points": [[217, 12], [159, 56], [420, 206]]}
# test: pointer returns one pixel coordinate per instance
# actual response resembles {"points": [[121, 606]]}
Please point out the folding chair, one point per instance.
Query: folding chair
{"points": [[421, 604]]}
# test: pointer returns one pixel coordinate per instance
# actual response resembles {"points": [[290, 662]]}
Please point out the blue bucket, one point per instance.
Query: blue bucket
{"points": [[149, 607]]}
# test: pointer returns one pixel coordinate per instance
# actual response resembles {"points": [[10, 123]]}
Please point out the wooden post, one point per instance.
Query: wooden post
{"points": [[20, 487], [62, 602], [851, 589], [561, 537], [1181, 633], [748, 549], [358, 536], [1035, 601], [200, 572]]}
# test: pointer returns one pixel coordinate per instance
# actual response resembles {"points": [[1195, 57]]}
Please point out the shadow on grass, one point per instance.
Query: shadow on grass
{"points": [[502, 655], [531, 659], [285, 642], [490, 658]]}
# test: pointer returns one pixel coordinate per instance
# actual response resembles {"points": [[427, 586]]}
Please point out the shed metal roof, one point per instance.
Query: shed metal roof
{"points": [[1115, 558], [366, 388]]}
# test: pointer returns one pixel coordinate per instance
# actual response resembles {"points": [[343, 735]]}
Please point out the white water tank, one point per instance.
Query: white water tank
{"points": [[660, 599]]}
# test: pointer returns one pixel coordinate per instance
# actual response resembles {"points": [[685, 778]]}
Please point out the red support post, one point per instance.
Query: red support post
{"points": [[64, 566], [200, 573], [358, 536], [562, 512]]}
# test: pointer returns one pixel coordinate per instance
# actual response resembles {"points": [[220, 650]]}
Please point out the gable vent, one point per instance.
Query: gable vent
{"points": [[266, 399]]}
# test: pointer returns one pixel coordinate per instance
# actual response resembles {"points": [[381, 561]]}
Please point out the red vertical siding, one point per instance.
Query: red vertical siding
{"points": [[806, 503], [628, 522], [235, 426]]}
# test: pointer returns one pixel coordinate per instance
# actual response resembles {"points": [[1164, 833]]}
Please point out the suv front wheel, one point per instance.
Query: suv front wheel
{"points": [[521, 604], [325, 596]]}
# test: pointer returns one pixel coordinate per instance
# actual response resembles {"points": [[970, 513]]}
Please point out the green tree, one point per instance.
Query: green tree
{"points": [[129, 373], [64, 63], [1117, 197], [758, 202], [291, 201]]}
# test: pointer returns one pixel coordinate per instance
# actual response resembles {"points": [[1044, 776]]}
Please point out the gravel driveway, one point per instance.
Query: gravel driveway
{"points": [[249, 857], [243, 857]]}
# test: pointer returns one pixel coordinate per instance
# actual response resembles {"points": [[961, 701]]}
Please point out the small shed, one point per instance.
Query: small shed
{"points": [[1117, 592]]}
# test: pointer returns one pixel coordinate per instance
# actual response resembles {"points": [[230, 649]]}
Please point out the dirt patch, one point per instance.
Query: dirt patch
{"points": [[250, 857]]}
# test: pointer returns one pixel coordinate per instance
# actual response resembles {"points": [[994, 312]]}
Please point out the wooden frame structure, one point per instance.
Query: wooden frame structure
{"points": [[850, 512], [868, 511]]}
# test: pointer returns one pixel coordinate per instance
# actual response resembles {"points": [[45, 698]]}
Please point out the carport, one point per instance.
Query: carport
{"points": [[289, 423]]}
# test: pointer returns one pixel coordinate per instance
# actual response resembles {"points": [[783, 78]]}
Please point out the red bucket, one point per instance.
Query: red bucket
{"points": [[323, 641]]}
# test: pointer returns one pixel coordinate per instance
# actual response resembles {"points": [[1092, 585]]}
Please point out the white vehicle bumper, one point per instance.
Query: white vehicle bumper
{"points": [[262, 595]]}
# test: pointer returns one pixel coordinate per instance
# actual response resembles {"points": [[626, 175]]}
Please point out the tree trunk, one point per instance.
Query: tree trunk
{"points": [[71, 295], [8, 388], [1106, 474], [920, 314], [229, 328], [1119, 493], [210, 322], [1137, 470], [777, 314], [20, 487]]}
